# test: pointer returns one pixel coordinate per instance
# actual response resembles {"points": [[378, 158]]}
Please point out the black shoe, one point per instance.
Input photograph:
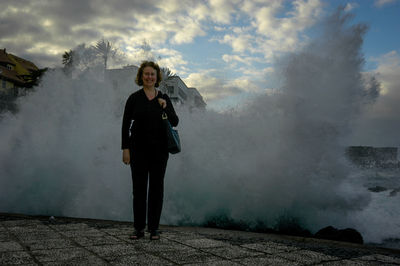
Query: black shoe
{"points": [[137, 234], [154, 235]]}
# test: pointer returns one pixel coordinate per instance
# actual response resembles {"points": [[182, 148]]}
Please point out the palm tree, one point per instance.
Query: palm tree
{"points": [[166, 73], [67, 58], [105, 49]]}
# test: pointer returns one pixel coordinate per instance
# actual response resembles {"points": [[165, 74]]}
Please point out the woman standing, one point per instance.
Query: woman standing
{"points": [[144, 146]]}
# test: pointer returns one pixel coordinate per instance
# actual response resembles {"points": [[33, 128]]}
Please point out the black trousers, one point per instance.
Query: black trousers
{"points": [[148, 170]]}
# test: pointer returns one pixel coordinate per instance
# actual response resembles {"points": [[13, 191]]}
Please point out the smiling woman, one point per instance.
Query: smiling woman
{"points": [[144, 146]]}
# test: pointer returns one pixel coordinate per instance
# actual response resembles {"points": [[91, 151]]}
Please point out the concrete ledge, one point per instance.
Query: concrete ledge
{"points": [[36, 240]]}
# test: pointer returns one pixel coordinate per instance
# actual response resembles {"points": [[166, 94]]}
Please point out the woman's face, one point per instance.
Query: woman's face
{"points": [[149, 77]]}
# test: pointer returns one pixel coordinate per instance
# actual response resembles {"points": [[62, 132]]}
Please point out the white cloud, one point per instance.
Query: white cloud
{"points": [[171, 6], [380, 124], [350, 6], [217, 28], [210, 87], [388, 73], [245, 84], [257, 73], [265, 18], [57, 26], [213, 88], [239, 43], [221, 10], [284, 31], [199, 11], [232, 58], [248, 61], [189, 29], [173, 60], [381, 3], [269, 32]]}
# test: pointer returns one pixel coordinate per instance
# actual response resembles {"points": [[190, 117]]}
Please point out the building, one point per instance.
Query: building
{"points": [[197, 100], [176, 89], [8, 75], [15, 73], [179, 93], [123, 79]]}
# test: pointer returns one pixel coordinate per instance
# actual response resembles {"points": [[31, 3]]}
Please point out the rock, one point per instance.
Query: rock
{"points": [[52, 220], [394, 192], [377, 189], [345, 235], [291, 226]]}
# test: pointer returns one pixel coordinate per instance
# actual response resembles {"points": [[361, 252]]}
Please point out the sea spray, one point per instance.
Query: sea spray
{"points": [[59, 152], [282, 155]]}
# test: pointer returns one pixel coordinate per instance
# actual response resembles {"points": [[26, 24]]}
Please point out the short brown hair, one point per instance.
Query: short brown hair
{"points": [[139, 80]]}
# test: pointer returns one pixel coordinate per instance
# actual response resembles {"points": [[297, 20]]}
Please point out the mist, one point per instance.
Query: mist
{"points": [[279, 157]]}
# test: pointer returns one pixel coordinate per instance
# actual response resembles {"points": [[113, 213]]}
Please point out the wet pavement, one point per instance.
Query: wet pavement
{"points": [[38, 240]]}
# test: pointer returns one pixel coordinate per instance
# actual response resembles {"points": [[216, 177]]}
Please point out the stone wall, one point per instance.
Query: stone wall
{"points": [[369, 157]]}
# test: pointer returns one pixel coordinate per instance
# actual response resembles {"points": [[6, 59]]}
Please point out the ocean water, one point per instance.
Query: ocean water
{"points": [[379, 221], [279, 157]]}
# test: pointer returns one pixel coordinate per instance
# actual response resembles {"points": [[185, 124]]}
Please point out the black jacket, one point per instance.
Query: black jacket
{"points": [[142, 124]]}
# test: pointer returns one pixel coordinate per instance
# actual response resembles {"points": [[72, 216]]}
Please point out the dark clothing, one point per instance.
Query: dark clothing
{"points": [[147, 125], [143, 133], [148, 168]]}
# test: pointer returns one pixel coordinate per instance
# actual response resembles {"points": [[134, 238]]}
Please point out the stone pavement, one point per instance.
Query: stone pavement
{"points": [[35, 240]]}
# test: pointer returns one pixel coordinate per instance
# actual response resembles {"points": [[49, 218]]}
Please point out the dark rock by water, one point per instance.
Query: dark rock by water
{"points": [[394, 192], [377, 189], [346, 235]]}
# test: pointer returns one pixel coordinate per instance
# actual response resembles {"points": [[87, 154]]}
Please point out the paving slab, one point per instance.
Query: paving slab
{"points": [[43, 244], [38, 240], [10, 246], [16, 258]]}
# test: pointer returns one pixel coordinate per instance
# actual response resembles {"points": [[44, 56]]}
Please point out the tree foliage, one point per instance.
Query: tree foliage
{"points": [[105, 50]]}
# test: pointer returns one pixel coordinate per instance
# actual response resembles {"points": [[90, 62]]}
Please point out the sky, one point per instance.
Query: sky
{"points": [[224, 48]]}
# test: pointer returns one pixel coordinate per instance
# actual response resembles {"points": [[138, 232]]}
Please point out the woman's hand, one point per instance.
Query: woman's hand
{"points": [[162, 102], [126, 157]]}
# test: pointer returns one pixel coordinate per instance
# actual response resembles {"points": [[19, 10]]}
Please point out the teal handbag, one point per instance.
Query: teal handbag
{"points": [[174, 143]]}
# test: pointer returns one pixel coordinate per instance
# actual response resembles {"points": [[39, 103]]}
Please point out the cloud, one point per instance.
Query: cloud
{"points": [[254, 72], [211, 88], [238, 43], [350, 6], [241, 39], [269, 32], [221, 10], [235, 58], [382, 3], [245, 84], [214, 88], [49, 28], [382, 118], [56, 26], [173, 60], [388, 73], [217, 28], [190, 30]]}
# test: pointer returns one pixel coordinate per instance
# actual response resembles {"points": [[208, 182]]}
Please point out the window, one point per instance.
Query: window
{"points": [[170, 90], [9, 67], [182, 94]]}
